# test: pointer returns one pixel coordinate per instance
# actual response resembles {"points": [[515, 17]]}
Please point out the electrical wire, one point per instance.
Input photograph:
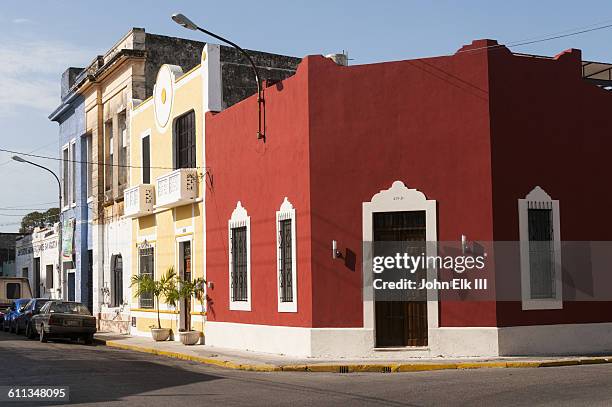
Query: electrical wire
{"points": [[45, 157], [534, 41]]}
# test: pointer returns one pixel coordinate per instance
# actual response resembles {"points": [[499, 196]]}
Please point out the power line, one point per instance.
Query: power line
{"points": [[30, 152], [31, 204], [87, 162], [529, 42], [24, 209]]}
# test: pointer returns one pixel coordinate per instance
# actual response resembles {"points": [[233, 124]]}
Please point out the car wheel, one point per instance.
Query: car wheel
{"points": [[29, 332], [88, 339], [43, 337]]}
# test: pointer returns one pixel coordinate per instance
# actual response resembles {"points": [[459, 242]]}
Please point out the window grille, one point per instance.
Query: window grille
{"points": [[286, 261], [147, 264], [117, 288], [541, 251], [239, 264]]}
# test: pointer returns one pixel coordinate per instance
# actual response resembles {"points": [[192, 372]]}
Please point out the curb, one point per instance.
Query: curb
{"points": [[357, 368]]}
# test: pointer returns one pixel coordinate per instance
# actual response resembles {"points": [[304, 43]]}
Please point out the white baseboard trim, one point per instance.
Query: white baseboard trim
{"points": [[443, 342], [562, 339]]}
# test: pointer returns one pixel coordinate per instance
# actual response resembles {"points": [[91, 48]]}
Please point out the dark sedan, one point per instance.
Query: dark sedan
{"points": [[23, 320], [15, 309], [64, 319]]}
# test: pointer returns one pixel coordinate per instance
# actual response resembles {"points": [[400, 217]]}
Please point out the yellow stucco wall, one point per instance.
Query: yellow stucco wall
{"points": [[166, 227]]}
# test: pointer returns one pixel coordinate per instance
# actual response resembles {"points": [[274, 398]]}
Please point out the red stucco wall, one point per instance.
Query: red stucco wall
{"points": [[550, 128], [424, 122], [336, 136], [260, 175]]}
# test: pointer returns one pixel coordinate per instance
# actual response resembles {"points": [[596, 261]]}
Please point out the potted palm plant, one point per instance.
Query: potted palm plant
{"points": [[186, 290], [146, 285]]}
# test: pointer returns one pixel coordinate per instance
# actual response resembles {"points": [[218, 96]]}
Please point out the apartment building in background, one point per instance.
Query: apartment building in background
{"points": [[36, 258]]}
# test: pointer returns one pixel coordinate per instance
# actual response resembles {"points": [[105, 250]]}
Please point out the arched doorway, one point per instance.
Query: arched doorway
{"points": [[116, 281]]}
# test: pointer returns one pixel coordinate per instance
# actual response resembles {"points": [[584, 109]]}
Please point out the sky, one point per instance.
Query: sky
{"points": [[40, 39]]}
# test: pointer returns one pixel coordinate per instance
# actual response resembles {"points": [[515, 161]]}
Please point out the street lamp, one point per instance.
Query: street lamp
{"points": [[59, 234], [183, 21]]}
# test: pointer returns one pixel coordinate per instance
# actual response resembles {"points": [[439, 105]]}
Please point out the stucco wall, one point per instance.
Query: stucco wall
{"points": [[356, 130], [550, 128]]}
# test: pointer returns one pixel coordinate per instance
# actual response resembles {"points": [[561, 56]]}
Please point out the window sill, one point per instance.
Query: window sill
{"points": [[542, 304], [240, 306]]}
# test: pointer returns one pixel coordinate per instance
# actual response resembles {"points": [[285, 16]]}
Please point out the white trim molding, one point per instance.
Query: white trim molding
{"points": [[286, 212], [240, 218], [539, 199], [400, 198]]}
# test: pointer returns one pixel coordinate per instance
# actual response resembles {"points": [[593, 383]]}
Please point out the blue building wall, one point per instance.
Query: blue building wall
{"points": [[72, 129]]}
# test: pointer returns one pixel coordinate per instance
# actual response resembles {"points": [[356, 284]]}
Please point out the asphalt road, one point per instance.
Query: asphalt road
{"points": [[102, 376]]}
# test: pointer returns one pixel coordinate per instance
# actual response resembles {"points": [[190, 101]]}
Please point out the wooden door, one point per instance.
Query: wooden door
{"points": [[401, 323]]}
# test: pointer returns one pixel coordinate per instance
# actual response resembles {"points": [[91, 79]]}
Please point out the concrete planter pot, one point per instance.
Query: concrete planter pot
{"points": [[160, 334], [189, 337]]}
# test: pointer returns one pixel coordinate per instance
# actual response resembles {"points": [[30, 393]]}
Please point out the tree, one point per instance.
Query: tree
{"points": [[39, 219]]}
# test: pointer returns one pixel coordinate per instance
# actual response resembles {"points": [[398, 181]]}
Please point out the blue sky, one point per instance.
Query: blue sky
{"points": [[41, 38]]}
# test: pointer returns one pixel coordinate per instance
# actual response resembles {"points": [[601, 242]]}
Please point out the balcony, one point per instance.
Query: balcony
{"points": [[179, 187], [139, 200]]}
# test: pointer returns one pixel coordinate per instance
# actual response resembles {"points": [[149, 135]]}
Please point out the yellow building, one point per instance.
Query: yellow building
{"points": [[166, 198]]}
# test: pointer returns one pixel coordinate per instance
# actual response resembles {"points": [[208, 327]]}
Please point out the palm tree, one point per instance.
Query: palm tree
{"points": [[145, 284], [180, 289]]}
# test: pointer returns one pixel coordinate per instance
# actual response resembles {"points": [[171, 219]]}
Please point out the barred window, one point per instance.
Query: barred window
{"points": [[147, 267], [285, 272], [540, 246], [239, 237], [541, 253], [117, 281], [286, 257], [239, 264]]}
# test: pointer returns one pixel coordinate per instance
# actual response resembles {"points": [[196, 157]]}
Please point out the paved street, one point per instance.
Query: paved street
{"points": [[102, 376]]}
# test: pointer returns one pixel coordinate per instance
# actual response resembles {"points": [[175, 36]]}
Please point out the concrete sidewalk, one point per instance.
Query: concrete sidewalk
{"points": [[263, 362]]}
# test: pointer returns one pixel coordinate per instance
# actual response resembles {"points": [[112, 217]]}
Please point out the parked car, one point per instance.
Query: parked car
{"points": [[23, 319], [12, 288], [64, 319], [15, 309]]}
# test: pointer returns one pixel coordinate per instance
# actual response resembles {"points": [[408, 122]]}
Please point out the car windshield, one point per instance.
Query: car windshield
{"points": [[69, 308], [39, 304]]}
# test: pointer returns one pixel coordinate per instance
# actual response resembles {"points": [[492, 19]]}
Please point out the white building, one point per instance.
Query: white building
{"points": [[36, 258]]}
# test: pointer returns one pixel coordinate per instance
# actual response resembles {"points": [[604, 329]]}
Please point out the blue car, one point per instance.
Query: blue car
{"points": [[23, 320], [17, 307]]}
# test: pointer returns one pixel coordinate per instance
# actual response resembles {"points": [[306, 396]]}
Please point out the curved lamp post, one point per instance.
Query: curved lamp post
{"points": [[59, 234], [181, 20]]}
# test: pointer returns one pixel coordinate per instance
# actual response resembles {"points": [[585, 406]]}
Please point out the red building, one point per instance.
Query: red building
{"points": [[471, 144]]}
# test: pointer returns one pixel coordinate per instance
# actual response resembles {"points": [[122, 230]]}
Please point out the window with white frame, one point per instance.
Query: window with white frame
{"points": [[286, 255], [540, 248], [73, 177], [239, 231], [65, 176], [88, 153]]}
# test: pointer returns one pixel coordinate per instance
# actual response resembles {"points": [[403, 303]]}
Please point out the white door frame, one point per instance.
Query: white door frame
{"points": [[399, 198]]}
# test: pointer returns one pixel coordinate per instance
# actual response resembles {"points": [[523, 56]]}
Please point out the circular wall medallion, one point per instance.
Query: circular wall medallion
{"points": [[163, 93]]}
